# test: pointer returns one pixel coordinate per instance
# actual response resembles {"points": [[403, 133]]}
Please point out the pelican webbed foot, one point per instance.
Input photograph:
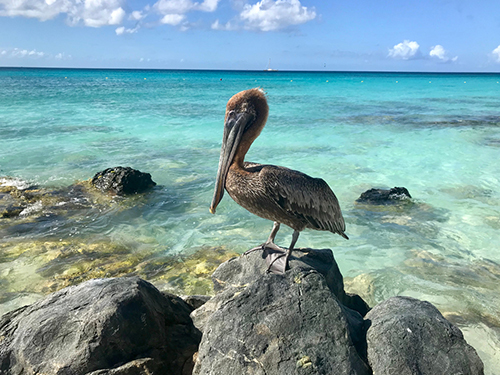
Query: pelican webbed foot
{"points": [[266, 245], [277, 261], [276, 257]]}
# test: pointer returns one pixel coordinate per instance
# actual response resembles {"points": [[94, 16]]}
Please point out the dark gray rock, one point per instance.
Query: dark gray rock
{"points": [[142, 366], [384, 196], [196, 301], [279, 324], [247, 268], [119, 326], [411, 337], [11, 211], [122, 181]]}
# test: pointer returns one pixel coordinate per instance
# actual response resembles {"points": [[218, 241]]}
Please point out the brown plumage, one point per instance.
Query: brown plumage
{"points": [[282, 195]]}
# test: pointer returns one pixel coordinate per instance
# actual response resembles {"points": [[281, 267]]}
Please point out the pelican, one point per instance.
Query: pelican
{"points": [[282, 195]]}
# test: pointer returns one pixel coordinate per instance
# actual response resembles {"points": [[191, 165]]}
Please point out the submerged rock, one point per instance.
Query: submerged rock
{"points": [[384, 196], [55, 264], [186, 274], [103, 326], [122, 181], [262, 323], [408, 336]]}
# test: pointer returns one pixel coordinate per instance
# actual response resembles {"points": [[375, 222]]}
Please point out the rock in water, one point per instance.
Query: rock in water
{"points": [[111, 326], [411, 337], [384, 196], [121, 181], [271, 324]]}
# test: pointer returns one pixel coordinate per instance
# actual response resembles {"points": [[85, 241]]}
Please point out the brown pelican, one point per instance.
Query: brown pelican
{"points": [[276, 193]]}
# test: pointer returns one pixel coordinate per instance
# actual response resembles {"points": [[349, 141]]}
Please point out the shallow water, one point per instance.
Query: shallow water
{"points": [[436, 134]]}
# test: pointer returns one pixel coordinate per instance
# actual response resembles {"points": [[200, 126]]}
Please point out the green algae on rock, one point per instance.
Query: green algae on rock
{"points": [[190, 274]]}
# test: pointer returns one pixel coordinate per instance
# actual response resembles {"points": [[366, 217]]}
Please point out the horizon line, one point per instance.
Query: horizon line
{"points": [[247, 70]]}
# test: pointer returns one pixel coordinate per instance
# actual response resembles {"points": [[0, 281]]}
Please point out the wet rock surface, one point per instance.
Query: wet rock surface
{"points": [[103, 326], [408, 336], [122, 181], [384, 196]]}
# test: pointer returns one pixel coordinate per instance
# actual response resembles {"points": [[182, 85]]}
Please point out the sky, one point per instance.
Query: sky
{"points": [[355, 35]]}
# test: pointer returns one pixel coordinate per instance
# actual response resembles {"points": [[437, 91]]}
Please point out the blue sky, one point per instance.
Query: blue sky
{"points": [[441, 36]]}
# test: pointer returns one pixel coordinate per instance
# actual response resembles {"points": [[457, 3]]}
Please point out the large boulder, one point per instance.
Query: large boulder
{"points": [[411, 337], [261, 323], [246, 269], [103, 326], [122, 181]]}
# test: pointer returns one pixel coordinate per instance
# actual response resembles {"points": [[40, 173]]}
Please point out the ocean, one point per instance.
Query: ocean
{"points": [[438, 135]]}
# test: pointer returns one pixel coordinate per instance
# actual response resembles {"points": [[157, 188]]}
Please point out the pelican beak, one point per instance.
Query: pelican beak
{"points": [[234, 127]]}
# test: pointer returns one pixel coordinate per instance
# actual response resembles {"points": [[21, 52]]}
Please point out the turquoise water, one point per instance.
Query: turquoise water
{"points": [[438, 135]]}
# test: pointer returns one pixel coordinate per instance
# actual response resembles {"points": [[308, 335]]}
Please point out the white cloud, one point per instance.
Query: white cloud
{"points": [[122, 30], [93, 13], [62, 56], [97, 13], [208, 5], [496, 54], [439, 52], [43, 10], [173, 19], [136, 15], [173, 11], [18, 53], [173, 6], [405, 50], [270, 15], [218, 26], [116, 16]]}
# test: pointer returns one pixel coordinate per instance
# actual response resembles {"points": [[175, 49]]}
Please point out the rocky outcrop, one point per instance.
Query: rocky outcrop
{"points": [[122, 181], [384, 196], [103, 326], [262, 323], [303, 322], [408, 336]]}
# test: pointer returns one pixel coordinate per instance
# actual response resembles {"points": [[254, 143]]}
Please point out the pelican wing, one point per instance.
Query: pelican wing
{"points": [[305, 197]]}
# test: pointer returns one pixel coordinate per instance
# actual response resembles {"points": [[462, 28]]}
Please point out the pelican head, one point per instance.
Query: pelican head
{"points": [[246, 115]]}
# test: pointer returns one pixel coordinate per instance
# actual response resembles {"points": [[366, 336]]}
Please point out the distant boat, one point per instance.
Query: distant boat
{"points": [[269, 67]]}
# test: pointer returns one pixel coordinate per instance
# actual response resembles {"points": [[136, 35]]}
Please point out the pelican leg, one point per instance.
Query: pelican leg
{"points": [[278, 261], [269, 244]]}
